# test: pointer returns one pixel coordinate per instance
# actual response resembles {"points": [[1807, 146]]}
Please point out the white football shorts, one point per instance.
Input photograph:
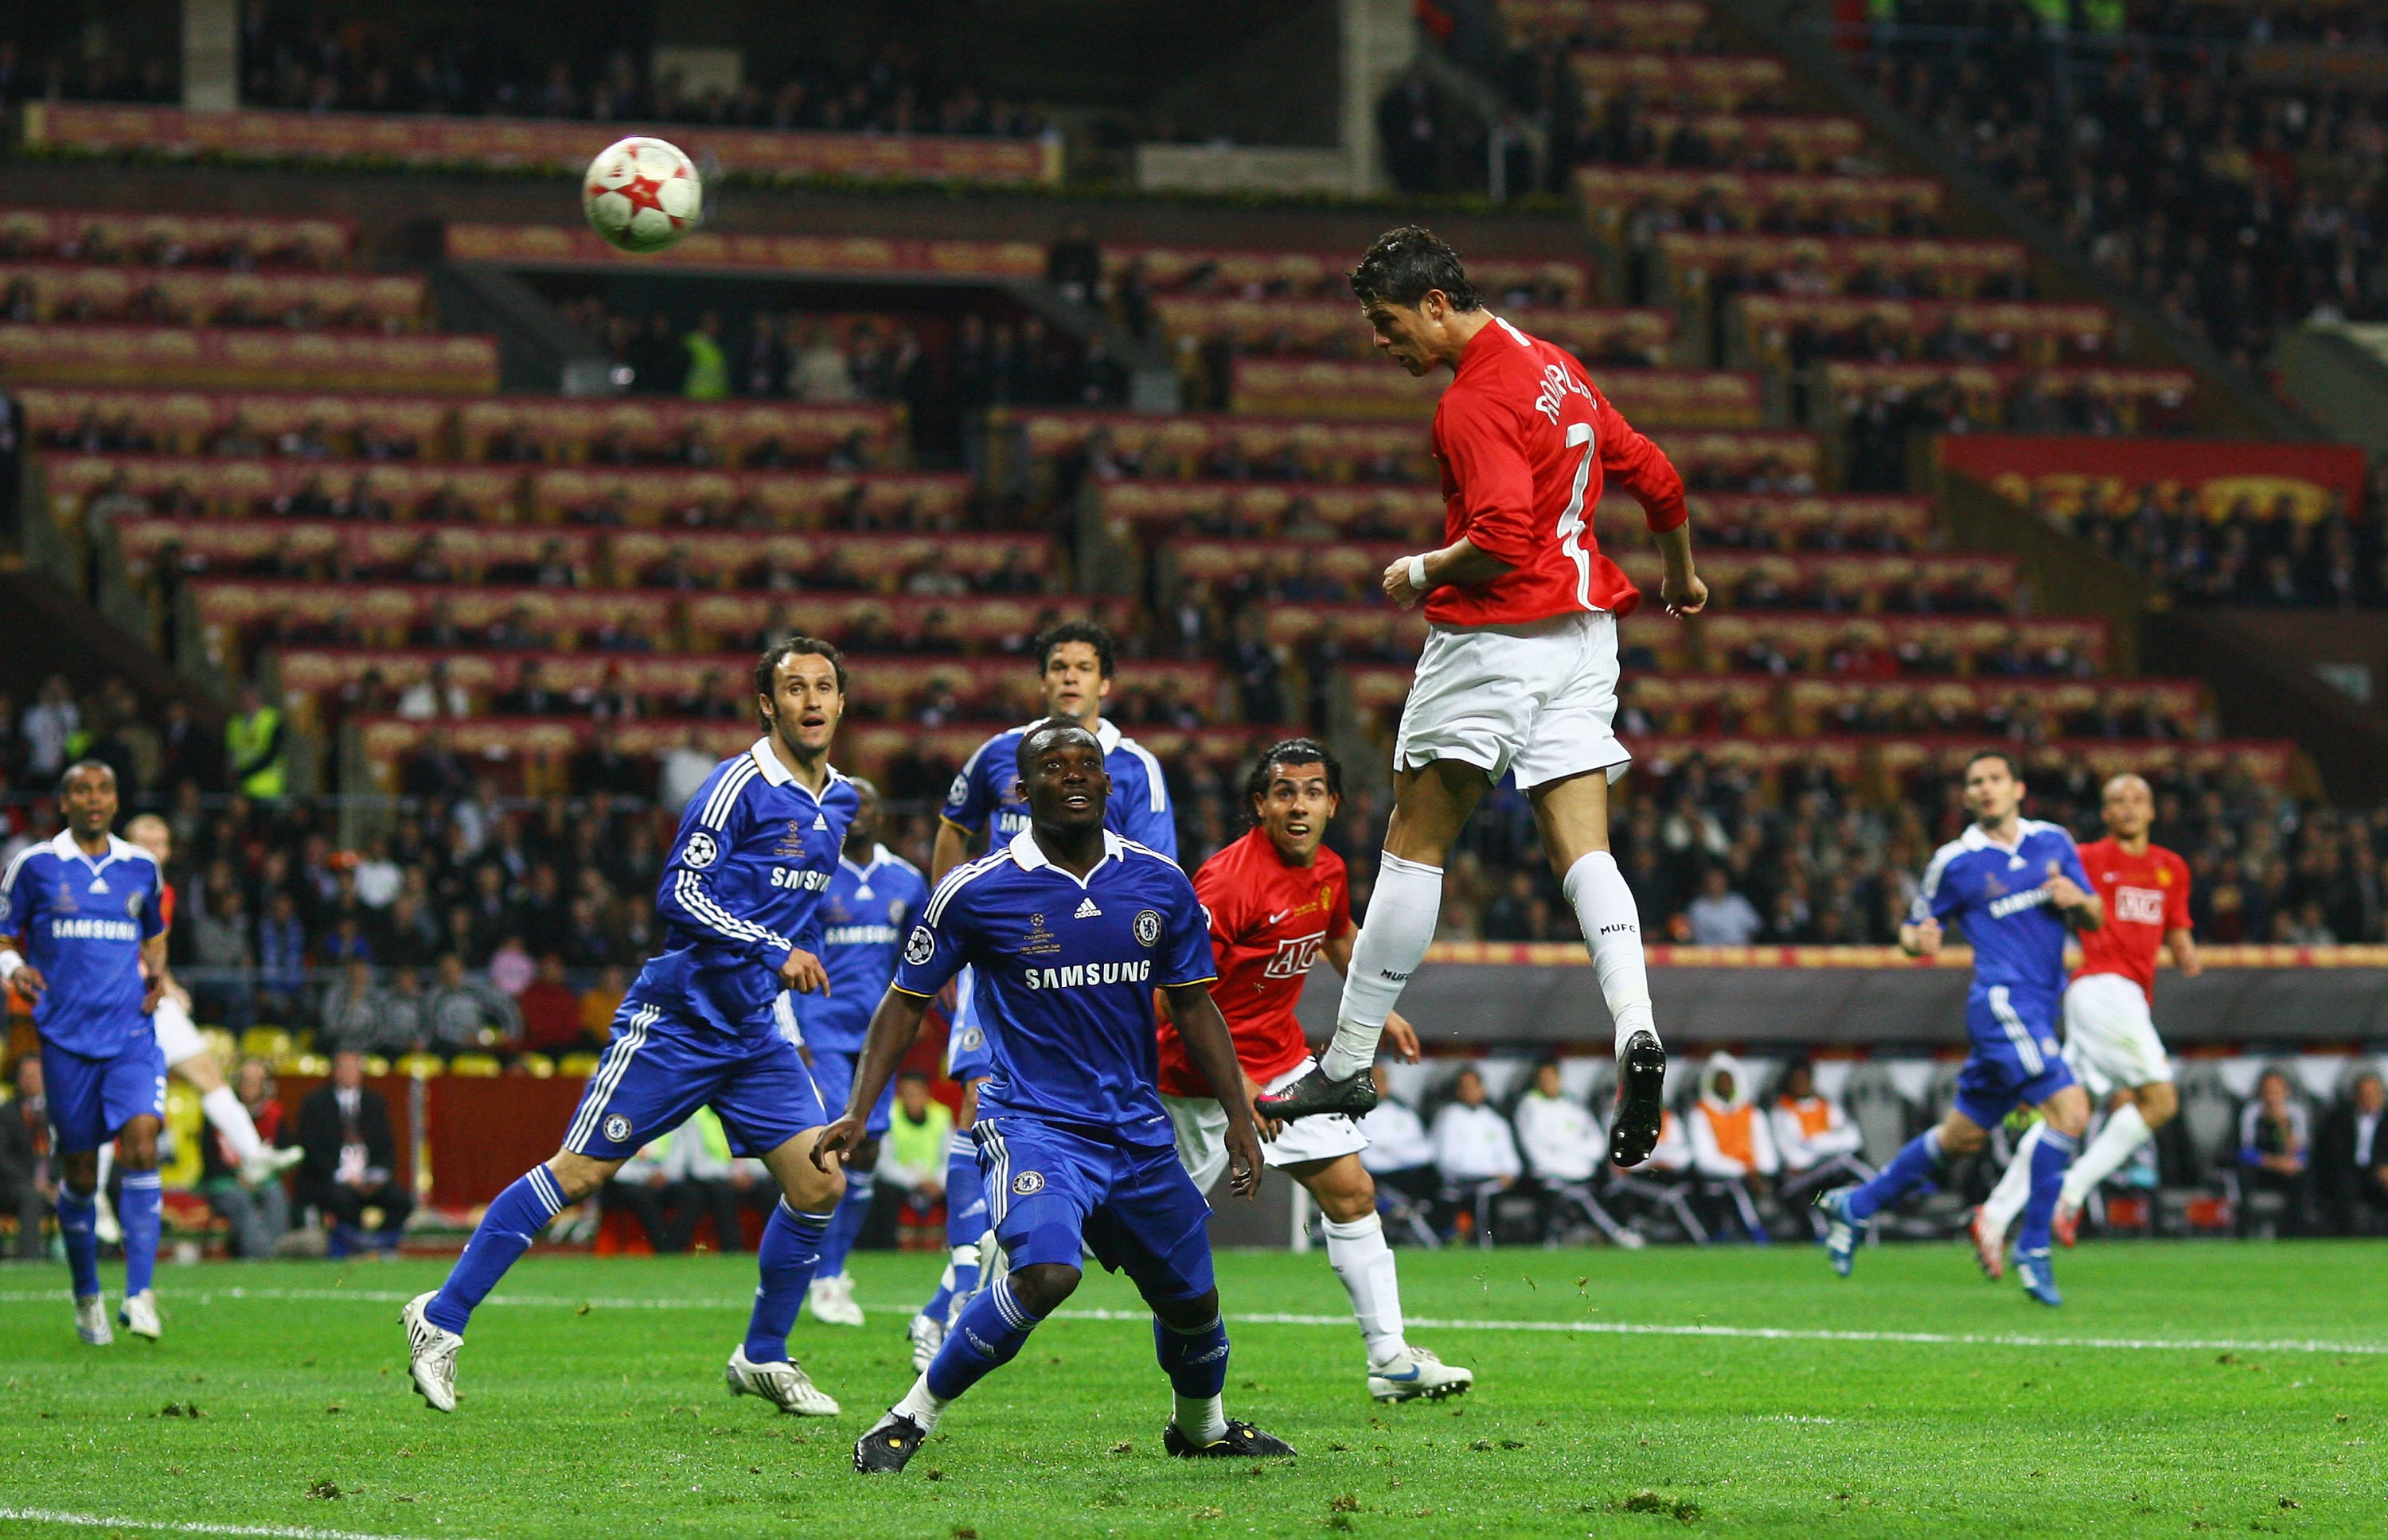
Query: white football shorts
{"points": [[1201, 1126], [1539, 698], [2110, 1039], [178, 1038]]}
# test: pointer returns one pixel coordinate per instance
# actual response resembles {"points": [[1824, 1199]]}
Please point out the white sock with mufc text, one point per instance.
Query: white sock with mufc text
{"points": [[232, 1120], [2126, 1130], [1358, 1252], [1612, 930], [1403, 911]]}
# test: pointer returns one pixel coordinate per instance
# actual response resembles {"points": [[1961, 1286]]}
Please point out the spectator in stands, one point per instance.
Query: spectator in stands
{"points": [[354, 1013], [463, 1015], [1073, 264], [1399, 1157], [405, 1029], [551, 1012], [282, 959], [29, 1173], [1720, 916], [255, 749], [1816, 1141], [1732, 1145], [259, 1216], [12, 440], [912, 1159], [706, 375], [48, 724], [1474, 1152], [436, 695], [2351, 1159], [684, 767], [223, 981], [1564, 1150], [352, 1159], [2275, 1150], [637, 1187]]}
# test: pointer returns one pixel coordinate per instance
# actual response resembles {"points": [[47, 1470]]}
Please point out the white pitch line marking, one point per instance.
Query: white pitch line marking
{"points": [[190, 1526], [1584, 1328]]}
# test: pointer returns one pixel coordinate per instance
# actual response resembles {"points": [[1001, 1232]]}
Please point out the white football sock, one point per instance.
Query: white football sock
{"points": [[1612, 930], [2013, 1190], [231, 1120], [1358, 1252], [2126, 1130], [921, 1406], [1203, 1420], [1403, 911]]}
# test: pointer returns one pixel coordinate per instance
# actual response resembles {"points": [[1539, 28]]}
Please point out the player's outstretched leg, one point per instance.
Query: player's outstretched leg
{"points": [[1403, 911], [760, 1365], [139, 1198], [2127, 1129], [1849, 1211], [1611, 923], [435, 1322], [1997, 1215], [986, 1335], [2047, 1165], [1356, 1250], [79, 1230], [830, 1295]]}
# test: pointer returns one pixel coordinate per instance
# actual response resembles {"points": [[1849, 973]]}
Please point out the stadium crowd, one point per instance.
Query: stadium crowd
{"points": [[2246, 551]]}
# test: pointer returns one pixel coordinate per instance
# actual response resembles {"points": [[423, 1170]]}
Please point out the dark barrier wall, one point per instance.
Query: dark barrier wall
{"points": [[1550, 995]]}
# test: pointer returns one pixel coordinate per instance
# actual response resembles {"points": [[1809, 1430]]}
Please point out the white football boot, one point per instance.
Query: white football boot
{"points": [[430, 1354], [783, 1384], [927, 1335], [139, 1314], [91, 1321], [832, 1300], [1417, 1372], [268, 1164]]}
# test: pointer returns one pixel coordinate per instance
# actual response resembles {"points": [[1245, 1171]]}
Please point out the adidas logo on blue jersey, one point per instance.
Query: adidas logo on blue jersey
{"points": [[1086, 910], [819, 822]]}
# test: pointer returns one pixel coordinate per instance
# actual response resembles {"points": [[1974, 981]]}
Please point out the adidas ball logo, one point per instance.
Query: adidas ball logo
{"points": [[1086, 910]]}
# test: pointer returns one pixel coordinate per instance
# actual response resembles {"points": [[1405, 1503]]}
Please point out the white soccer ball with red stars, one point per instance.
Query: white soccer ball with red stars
{"points": [[643, 195]]}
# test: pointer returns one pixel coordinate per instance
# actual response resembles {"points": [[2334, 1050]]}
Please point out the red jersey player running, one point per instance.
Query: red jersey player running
{"points": [[1279, 902], [1519, 672], [2110, 1037]]}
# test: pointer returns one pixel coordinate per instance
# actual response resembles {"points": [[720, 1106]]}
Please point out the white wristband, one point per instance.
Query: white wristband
{"points": [[1417, 573], [9, 964]]}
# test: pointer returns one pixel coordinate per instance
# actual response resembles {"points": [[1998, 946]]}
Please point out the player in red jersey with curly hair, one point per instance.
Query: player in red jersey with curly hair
{"points": [[1279, 901], [1519, 672]]}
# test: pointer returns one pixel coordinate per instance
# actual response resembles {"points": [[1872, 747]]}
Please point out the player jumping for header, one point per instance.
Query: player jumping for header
{"points": [[1519, 672], [2110, 1034], [81, 928], [1278, 901], [1071, 930], [2016, 884], [740, 899]]}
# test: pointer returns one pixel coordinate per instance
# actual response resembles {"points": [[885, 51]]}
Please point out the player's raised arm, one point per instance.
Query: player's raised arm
{"points": [[1213, 1049], [893, 1026]]}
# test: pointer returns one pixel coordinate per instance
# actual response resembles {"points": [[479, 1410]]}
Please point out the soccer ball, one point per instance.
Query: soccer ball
{"points": [[643, 195]]}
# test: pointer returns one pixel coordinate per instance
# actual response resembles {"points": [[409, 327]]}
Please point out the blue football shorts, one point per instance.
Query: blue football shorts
{"points": [[657, 1069], [1051, 1187], [91, 1100], [2017, 1059]]}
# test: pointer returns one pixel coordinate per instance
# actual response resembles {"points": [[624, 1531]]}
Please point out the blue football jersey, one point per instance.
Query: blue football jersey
{"points": [[744, 887], [2000, 895], [986, 792], [863, 919], [1064, 972], [82, 919]]}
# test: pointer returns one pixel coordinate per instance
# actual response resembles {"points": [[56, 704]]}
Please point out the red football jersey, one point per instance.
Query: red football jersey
{"points": [[1526, 445], [166, 904], [1268, 921], [2145, 896]]}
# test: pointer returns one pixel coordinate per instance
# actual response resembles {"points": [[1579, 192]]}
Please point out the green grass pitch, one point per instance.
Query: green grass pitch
{"points": [[2183, 1387]]}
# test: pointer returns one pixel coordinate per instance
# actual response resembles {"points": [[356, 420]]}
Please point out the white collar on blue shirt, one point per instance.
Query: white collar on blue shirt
{"points": [[1975, 838], [65, 849], [1029, 856], [880, 856], [776, 774]]}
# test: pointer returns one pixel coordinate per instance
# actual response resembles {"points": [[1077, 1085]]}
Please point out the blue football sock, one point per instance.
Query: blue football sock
{"points": [[79, 1228], [786, 1260], [1195, 1361], [991, 1329], [845, 1223], [1915, 1165], [965, 1193], [138, 1197], [505, 1232], [2047, 1165]]}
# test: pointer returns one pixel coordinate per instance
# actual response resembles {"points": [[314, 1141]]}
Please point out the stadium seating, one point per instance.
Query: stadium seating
{"points": [[248, 243], [1332, 328], [252, 359], [1199, 273], [1327, 388], [299, 301]]}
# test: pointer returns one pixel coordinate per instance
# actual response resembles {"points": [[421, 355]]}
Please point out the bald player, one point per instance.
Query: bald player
{"points": [[2109, 1035]]}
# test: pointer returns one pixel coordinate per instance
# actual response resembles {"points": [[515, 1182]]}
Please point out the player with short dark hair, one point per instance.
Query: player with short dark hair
{"points": [[740, 899], [83, 934], [1278, 901], [871, 897], [2017, 887], [1519, 677], [1070, 928], [1075, 660]]}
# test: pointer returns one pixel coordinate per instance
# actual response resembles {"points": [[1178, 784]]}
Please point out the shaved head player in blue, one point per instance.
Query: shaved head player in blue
{"points": [[1070, 928], [740, 899], [84, 908], [2016, 885]]}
